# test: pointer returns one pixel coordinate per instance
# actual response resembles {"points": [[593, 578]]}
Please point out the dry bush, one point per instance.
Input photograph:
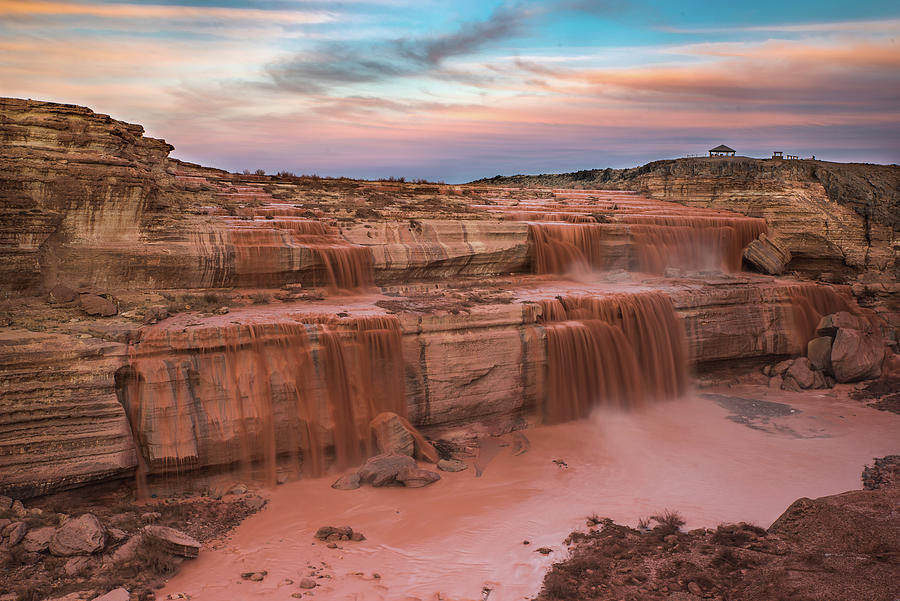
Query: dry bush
{"points": [[669, 522]]}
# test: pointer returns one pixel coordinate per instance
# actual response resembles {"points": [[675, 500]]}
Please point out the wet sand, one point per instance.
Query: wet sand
{"points": [[712, 458]]}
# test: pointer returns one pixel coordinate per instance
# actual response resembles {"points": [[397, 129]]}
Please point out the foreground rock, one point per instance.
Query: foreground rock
{"points": [[387, 470], [105, 545], [838, 547], [856, 355], [81, 536], [417, 477], [172, 541], [332, 534]]}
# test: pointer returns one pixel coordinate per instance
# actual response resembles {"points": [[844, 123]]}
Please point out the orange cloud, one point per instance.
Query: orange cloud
{"points": [[155, 11]]}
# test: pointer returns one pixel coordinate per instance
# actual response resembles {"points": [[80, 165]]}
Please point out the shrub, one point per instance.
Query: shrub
{"points": [[669, 522]]}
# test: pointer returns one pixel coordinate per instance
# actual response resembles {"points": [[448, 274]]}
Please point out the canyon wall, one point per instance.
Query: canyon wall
{"points": [[162, 316]]}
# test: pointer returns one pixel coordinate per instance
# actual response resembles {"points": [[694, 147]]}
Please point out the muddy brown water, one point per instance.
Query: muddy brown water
{"points": [[464, 535]]}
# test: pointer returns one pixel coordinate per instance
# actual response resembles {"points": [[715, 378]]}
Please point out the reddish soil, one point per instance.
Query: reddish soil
{"points": [[36, 576], [840, 547]]}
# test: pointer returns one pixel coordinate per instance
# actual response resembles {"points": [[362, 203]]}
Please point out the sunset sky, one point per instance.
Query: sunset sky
{"points": [[461, 90]]}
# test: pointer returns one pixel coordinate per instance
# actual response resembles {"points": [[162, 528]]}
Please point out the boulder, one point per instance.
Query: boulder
{"points": [[781, 367], [62, 294], [15, 533], [391, 435], [77, 566], [174, 542], [776, 382], [856, 355], [38, 540], [801, 373], [80, 536], [118, 594], [820, 381], [307, 583], [767, 256], [829, 324], [18, 509], [382, 470], [5, 503], [416, 477], [127, 550], [347, 482], [819, 353], [94, 304], [330, 532], [789, 383], [394, 434], [451, 465]]}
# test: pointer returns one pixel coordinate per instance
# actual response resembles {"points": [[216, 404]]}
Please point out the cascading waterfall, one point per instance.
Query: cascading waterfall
{"points": [[622, 349], [809, 303], [276, 243], [252, 394]]}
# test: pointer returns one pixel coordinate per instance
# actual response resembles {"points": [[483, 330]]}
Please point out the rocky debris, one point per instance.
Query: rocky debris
{"points": [[61, 294], [884, 473], [767, 255], [347, 482], [391, 435], [856, 355], [119, 594], [38, 540], [416, 477], [818, 350], [452, 465], [382, 470], [847, 349], [76, 566], [94, 304], [172, 541], [801, 373], [127, 550], [14, 533], [837, 547], [254, 576], [338, 533], [79, 536], [781, 367]]}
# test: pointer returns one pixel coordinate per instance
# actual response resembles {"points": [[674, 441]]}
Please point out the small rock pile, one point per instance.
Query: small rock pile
{"points": [[388, 469], [846, 349], [333, 534]]}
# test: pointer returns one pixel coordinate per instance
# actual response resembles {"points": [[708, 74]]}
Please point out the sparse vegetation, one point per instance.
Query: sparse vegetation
{"points": [[207, 302], [669, 521]]}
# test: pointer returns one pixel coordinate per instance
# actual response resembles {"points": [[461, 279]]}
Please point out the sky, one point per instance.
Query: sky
{"points": [[455, 91]]}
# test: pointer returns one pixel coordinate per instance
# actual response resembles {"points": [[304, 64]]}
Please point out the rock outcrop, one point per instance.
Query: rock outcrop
{"points": [[767, 256], [162, 316]]}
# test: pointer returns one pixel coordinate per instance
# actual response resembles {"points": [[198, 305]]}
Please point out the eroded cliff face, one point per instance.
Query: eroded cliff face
{"points": [[830, 215], [252, 319]]}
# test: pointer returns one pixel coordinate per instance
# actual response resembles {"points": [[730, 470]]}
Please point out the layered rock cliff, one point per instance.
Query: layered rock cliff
{"points": [[158, 315], [829, 215]]}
